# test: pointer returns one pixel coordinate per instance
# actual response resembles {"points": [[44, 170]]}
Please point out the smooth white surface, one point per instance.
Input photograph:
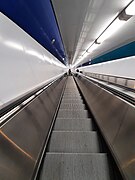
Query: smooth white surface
{"points": [[130, 10], [93, 47], [24, 64], [122, 67], [111, 30]]}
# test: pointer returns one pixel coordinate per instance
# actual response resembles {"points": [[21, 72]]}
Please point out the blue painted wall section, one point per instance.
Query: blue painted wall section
{"points": [[122, 52], [37, 18]]}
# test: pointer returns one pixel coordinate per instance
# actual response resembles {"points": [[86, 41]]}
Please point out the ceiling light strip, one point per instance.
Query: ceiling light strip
{"points": [[116, 24]]}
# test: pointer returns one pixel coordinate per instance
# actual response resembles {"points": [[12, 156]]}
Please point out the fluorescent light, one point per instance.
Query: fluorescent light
{"points": [[81, 59], [130, 10], [93, 47], [111, 30], [14, 45], [85, 54], [77, 62]]}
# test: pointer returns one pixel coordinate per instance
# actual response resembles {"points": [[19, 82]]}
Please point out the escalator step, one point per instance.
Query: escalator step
{"points": [[71, 90], [74, 142], [71, 98], [80, 101], [72, 113], [74, 151], [75, 167], [72, 106], [71, 95], [73, 125]]}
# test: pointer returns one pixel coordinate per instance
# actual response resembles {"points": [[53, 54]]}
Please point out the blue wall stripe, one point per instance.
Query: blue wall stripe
{"points": [[122, 52]]}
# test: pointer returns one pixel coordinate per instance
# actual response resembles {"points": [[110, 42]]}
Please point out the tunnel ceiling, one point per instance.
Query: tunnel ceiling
{"points": [[77, 24], [81, 22]]}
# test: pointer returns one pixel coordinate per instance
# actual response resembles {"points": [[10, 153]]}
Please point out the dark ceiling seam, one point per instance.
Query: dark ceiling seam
{"points": [[58, 27]]}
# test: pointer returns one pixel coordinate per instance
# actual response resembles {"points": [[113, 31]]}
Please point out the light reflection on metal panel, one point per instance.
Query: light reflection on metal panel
{"points": [[22, 137], [116, 119]]}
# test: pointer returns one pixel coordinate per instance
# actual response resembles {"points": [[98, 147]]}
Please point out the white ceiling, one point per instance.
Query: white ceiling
{"points": [[82, 21]]}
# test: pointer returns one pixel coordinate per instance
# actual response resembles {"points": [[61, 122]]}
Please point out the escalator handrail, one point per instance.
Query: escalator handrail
{"points": [[11, 105], [110, 89]]}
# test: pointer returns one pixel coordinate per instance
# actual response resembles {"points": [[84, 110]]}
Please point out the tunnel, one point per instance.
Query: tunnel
{"points": [[67, 90]]}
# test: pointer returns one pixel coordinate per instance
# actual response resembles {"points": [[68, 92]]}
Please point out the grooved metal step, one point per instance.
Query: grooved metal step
{"points": [[73, 151], [70, 98], [74, 142], [75, 167], [71, 94], [72, 106], [72, 113], [73, 125], [80, 101]]}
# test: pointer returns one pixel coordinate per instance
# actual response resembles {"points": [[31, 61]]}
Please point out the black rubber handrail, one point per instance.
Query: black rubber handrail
{"points": [[12, 104], [36, 173]]}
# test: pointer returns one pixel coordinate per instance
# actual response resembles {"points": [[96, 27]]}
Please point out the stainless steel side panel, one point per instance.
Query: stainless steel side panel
{"points": [[116, 119], [23, 136]]}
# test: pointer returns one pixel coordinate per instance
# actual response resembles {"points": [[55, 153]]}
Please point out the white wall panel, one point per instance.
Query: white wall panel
{"points": [[122, 67], [24, 64]]}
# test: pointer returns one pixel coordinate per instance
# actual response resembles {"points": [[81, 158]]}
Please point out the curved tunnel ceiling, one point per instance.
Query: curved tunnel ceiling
{"points": [[81, 23], [38, 20]]}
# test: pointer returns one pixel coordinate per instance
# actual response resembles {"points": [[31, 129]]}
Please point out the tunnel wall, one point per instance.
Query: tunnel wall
{"points": [[121, 67], [24, 64], [37, 18]]}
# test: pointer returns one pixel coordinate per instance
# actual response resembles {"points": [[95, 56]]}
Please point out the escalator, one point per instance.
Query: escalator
{"points": [[74, 150]]}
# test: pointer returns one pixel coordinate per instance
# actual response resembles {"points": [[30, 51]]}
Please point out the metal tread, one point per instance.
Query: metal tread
{"points": [[73, 151], [74, 142], [73, 100], [73, 124], [72, 113], [70, 98], [72, 106], [75, 167]]}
